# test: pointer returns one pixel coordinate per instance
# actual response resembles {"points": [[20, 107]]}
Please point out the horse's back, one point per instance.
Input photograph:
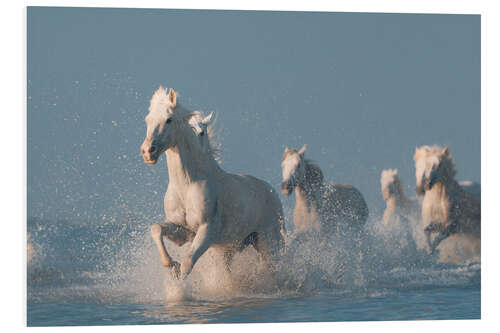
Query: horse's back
{"points": [[345, 203], [471, 187], [469, 209]]}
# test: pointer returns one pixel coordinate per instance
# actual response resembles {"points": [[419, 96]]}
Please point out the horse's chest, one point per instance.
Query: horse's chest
{"points": [[192, 207], [435, 207]]}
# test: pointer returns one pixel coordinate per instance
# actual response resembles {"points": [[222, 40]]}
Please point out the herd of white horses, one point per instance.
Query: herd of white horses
{"points": [[210, 208]]}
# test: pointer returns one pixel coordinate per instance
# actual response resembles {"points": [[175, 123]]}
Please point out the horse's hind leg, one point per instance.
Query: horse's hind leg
{"points": [[229, 253], [179, 235], [268, 244]]}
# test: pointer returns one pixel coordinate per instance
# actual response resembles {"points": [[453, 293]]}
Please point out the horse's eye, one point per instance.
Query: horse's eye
{"points": [[169, 120]]}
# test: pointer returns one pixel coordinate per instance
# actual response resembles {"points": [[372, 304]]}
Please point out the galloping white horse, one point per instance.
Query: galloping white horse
{"points": [[397, 203], [447, 208], [204, 205], [319, 207]]}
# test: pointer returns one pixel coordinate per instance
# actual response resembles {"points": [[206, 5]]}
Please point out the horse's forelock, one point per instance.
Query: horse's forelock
{"points": [[388, 176], [287, 153], [158, 99]]}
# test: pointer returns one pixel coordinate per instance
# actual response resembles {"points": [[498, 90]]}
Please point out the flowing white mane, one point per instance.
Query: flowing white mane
{"points": [[159, 102]]}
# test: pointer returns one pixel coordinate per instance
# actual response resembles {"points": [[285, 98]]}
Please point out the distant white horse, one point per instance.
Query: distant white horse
{"points": [[447, 208], [319, 207], [204, 205], [398, 205]]}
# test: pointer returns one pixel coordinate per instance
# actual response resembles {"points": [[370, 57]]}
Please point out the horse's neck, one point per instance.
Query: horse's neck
{"points": [[446, 189], [186, 165], [308, 196], [306, 212], [398, 200]]}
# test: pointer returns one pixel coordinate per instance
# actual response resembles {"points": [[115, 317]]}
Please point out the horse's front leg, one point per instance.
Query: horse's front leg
{"points": [[200, 244], [450, 229], [176, 233], [434, 226]]}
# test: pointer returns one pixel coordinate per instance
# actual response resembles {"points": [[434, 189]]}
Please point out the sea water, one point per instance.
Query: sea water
{"points": [[80, 274]]}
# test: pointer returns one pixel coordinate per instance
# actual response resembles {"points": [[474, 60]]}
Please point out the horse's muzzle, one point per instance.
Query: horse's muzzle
{"points": [[149, 153]]}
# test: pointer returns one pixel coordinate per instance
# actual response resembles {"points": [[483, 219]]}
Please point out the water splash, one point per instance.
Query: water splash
{"points": [[119, 263]]}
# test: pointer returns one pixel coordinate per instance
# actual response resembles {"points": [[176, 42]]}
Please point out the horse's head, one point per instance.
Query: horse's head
{"points": [[432, 165], [161, 125], [199, 123], [390, 183], [293, 169]]}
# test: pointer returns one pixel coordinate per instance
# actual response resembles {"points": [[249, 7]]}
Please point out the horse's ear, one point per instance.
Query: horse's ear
{"points": [[445, 151], [208, 119], [172, 97], [416, 156], [302, 150]]}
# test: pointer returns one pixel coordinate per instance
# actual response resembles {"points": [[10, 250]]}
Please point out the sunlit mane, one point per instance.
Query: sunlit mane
{"points": [[436, 154], [388, 177], [159, 101], [426, 151]]}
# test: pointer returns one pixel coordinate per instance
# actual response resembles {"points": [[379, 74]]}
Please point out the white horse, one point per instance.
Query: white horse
{"points": [[319, 207], [447, 209], [398, 205], [204, 205]]}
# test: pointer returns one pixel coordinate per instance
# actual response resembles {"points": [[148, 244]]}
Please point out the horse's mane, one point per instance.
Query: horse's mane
{"points": [[212, 135], [425, 151], [444, 156], [449, 165], [314, 175], [161, 97], [389, 176], [213, 140]]}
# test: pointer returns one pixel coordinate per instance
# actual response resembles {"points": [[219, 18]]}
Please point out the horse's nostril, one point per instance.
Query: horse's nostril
{"points": [[152, 149]]}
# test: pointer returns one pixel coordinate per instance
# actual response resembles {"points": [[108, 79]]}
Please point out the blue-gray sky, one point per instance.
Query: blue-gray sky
{"points": [[362, 90]]}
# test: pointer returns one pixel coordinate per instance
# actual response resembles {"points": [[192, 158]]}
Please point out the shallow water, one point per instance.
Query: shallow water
{"points": [[428, 304], [80, 275]]}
